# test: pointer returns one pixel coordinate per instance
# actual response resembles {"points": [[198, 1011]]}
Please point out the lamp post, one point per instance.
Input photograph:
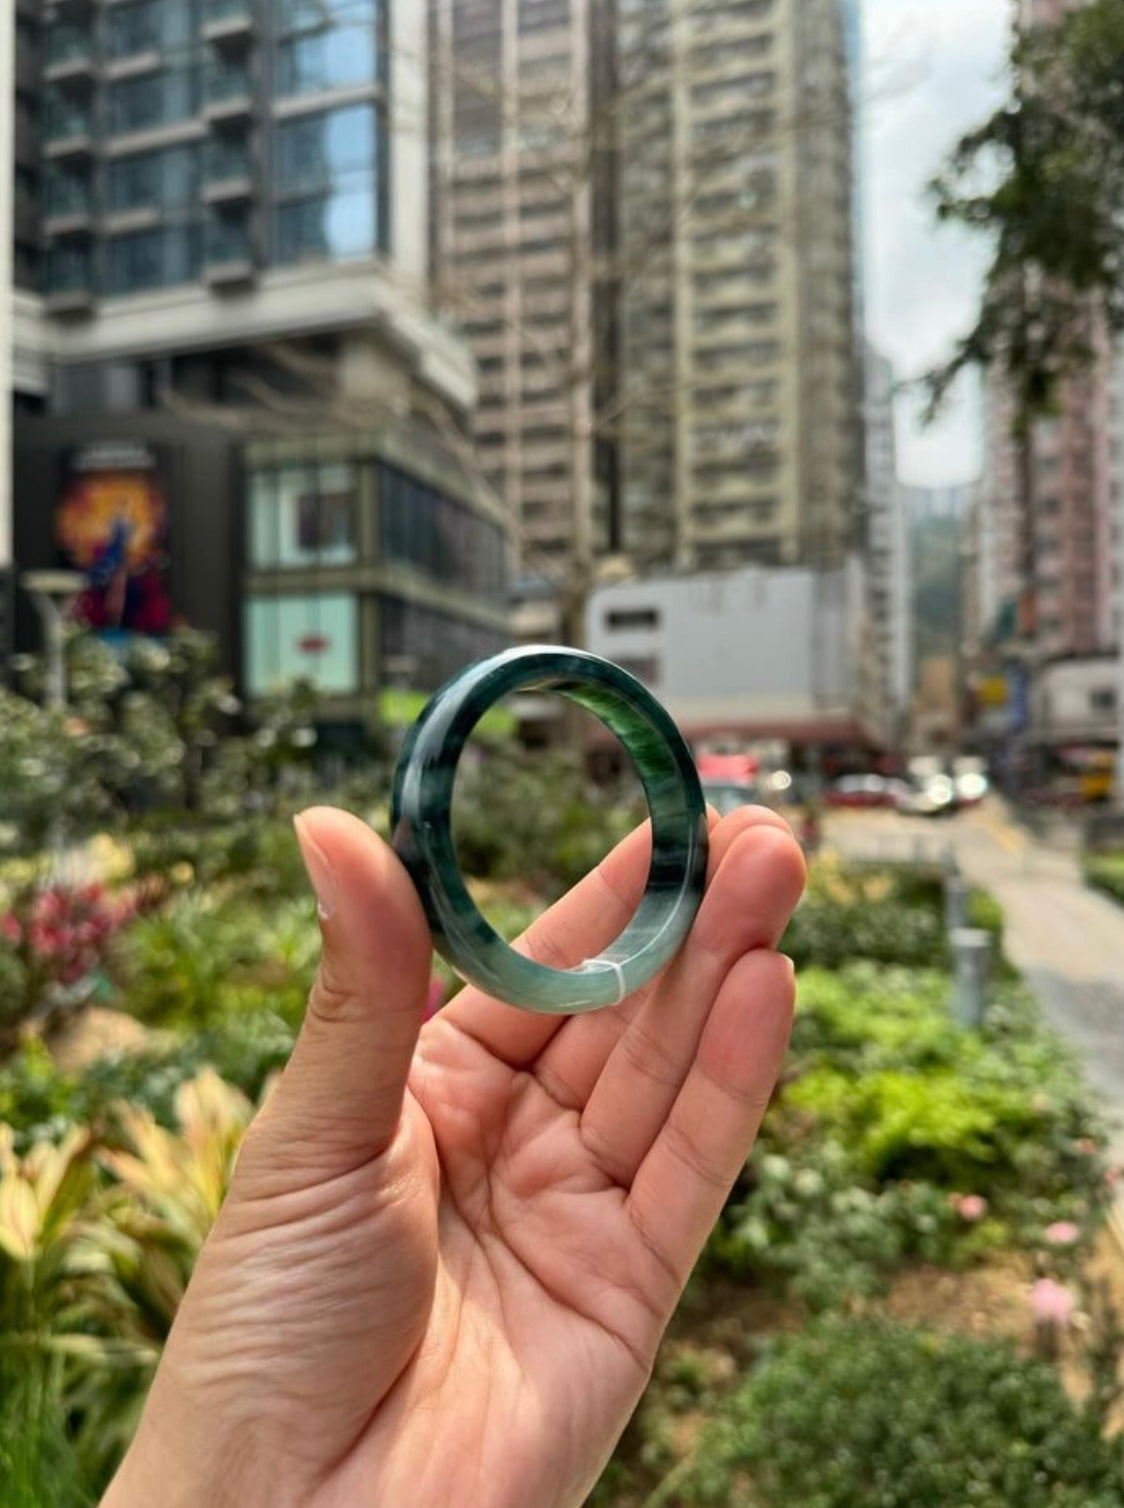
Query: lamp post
{"points": [[53, 593]]}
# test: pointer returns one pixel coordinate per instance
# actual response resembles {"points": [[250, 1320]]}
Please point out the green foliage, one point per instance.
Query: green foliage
{"points": [[535, 818], [864, 1413], [41, 1103], [888, 1113], [825, 933], [1105, 872], [208, 956]]}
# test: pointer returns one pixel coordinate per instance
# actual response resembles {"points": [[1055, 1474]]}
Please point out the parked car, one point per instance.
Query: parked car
{"points": [[867, 791], [932, 798]]}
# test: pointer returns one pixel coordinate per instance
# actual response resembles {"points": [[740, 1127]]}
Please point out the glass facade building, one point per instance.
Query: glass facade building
{"points": [[181, 134], [368, 569]]}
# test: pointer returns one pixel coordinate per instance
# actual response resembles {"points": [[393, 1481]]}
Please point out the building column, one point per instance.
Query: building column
{"points": [[7, 220]]}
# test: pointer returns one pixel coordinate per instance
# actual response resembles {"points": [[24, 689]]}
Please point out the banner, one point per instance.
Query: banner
{"points": [[111, 525]]}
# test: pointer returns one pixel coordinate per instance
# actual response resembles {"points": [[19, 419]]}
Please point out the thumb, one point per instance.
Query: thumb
{"points": [[338, 1103]]}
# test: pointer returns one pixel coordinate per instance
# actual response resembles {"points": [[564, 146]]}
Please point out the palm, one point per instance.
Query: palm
{"points": [[464, 1306]]}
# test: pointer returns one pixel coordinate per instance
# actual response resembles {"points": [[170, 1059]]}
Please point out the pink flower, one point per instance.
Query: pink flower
{"points": [[1062, 1233], [1112, 1177], [970, 1207], [1087, 1147], [1051, 1302]]}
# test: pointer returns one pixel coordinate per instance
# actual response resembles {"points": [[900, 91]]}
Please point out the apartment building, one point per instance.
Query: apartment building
{"points": [[234, 241], [740, 423], [521, 139], [885, 538], [1047, 510]]}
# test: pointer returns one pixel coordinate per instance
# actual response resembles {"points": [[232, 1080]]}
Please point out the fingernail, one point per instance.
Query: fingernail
{"points": [[320, 871]]}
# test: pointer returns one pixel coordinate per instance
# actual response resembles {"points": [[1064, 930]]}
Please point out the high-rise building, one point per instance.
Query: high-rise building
{"points": [[235, 234], [886, 537], [739, 405], [1047, 500], [521, 223]]}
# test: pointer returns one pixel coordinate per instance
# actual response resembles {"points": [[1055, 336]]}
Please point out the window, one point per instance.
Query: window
{"points": [[630, 619], [154, 258], [542, 15], [303, 15], [153, 99], [291, 638], [69, 269], [327, 173], [66, 192], [1103, 699], [148, 26], [303, 515], [331, 58], [424, 648], [421, 528], [154, 180]]}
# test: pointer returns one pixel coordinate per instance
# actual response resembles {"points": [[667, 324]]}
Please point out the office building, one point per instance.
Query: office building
{"points": [[235, 242], [520, 134], [740, 422]]}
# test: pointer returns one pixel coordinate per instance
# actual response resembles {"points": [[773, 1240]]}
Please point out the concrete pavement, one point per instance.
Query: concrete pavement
{"points": [[1067, 940]]}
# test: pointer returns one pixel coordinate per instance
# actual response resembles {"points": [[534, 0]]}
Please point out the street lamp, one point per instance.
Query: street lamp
{"points": [[53, 593]]}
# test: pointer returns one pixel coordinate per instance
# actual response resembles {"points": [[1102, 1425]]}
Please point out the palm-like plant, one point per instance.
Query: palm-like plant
{"points": [[165, 1191]]}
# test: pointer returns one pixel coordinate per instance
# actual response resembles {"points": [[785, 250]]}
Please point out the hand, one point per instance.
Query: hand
{"points": [[447, 1259]]}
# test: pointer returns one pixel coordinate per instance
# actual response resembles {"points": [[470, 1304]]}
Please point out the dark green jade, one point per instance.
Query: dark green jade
{"points": [[421, 815]]}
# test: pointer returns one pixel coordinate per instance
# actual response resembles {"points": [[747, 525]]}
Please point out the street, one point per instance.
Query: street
{"points": [[1067, 940]]}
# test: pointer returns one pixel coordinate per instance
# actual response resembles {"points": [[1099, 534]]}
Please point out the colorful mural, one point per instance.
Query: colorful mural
{"points": [[112, 526]]}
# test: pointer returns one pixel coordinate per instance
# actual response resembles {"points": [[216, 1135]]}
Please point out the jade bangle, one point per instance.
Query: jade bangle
{"points": [[421, 815]]}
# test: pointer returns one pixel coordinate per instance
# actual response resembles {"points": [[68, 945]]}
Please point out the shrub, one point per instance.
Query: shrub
{"points": [[507, 829], [889, 1113], [864, 1413], [40, 1103], [827, 933], [1105, 872]]}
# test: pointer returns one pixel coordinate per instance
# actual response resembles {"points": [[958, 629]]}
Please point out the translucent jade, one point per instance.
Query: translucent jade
{"points": [[423, 837]]}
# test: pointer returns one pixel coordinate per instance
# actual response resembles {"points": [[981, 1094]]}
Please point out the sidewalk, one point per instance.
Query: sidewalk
{"points": [[1067, 940]]}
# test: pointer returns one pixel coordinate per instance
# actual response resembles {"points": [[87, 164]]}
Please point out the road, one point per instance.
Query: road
{"points": [[1067, 940]]}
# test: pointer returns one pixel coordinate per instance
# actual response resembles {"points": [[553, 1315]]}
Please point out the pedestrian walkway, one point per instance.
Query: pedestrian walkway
{"points": [[1068, 942]]}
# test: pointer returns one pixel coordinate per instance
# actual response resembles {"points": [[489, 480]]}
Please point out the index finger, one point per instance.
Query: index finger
{"points": [[579, 926]]}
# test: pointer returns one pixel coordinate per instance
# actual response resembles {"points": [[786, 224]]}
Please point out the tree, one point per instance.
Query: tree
{"points": [[1043, 179]]}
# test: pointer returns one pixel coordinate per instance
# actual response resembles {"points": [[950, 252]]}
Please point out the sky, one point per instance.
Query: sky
{"points": [[933, 68]]}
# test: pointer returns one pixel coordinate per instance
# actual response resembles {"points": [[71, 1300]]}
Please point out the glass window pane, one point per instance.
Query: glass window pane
{"points": [[313, 638]]}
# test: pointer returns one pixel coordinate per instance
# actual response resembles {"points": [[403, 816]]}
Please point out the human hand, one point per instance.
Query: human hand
{"points": [[449, 1252]]}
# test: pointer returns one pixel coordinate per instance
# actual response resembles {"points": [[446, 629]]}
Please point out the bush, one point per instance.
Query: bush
{"points": [[826, 933], [864, 1413], [41, 1104], [888, 1115], [506, 828], [1106, 873]]}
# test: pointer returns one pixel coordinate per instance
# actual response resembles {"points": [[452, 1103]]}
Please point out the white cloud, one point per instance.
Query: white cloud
{"points": [[934, 68]]}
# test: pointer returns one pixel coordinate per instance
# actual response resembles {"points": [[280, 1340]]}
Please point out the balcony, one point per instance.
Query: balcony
{"points": [[70, 284], [229, 97], [230, 261], [69, 135], [70, 57], [228, 24], [229, 176], [69, 214]]}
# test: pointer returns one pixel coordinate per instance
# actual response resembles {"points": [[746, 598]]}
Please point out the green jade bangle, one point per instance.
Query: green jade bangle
{"points": [[421, 813]]}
